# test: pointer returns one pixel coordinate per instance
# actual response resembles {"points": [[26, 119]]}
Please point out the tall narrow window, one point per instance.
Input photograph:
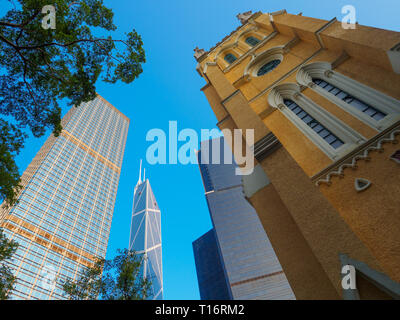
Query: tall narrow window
{"points": [[252, 41], [316, 126], [351, 100], [268, 67], [230, 58]]}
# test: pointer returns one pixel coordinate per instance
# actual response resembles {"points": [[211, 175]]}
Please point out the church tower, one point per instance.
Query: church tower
{"points": [[324, 104]]}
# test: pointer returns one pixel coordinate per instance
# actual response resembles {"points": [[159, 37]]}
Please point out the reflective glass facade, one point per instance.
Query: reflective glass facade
{"points": [[251, 266], [63, 218], [213, 284], [145, 237]]}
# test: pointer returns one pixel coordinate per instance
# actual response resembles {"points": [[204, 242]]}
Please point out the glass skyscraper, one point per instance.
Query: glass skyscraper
{"points": [[213, 284], [145, 235], [251, 266], [63, 217]]}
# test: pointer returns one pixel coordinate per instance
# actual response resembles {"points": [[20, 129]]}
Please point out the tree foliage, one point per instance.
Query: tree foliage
{"points": [[88, 286], [11, 142], [38, 66], [7, 279], [117, 279]]}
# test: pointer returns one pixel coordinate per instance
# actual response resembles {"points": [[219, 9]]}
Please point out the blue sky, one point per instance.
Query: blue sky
{"points": [[169, 89]]}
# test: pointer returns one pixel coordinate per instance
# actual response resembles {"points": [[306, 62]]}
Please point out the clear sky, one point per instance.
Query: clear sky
{"points": [[169, 89]]}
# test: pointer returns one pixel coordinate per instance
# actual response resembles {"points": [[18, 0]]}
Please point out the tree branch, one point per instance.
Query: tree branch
{"points": [[67, 44], [21, 25]]}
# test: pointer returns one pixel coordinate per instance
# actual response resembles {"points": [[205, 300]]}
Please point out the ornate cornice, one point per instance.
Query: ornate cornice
{"points": [[263, 57], [361, 153], [275, 98], [228, 37], [244, 17], [198, 52], [251, 51], [235, 44]]}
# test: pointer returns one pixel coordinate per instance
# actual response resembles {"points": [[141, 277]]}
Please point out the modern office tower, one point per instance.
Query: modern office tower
{"points": [[145, 237], [323, 99], [213, 284], [63, 217], [252, 269]]}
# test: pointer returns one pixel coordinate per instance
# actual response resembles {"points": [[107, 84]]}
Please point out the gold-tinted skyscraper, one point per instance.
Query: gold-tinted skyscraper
{"points": [[63, 217]]}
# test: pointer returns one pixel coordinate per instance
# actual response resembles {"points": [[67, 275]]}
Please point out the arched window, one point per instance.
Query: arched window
{"points": [[328, 133], [252, 41], [321, 130], [230, 58], [351, 100], [268, 67], [370, 106]]}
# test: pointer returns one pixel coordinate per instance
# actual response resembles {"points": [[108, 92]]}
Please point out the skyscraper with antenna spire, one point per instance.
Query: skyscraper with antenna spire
{"points": [[145, 237]]}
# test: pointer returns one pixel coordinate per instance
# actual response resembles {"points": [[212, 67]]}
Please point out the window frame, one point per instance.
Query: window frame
{"points": [[368, 95], [262, 66], [261, 59], [230, 54], [314, 79], [291, 101], [247, 41], [291, 91]]}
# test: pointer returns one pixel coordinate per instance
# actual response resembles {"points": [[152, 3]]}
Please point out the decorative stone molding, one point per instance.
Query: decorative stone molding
{"points": [[244, 17], [226, 48], [198, 52], [247, 31], [259, 60], [285, 76], [292, 91], [206, 66], [275, 98], [363, 154], [278, 13], [361, 184], [235, 44], [251, 52], [382, 102], [307, 72]]}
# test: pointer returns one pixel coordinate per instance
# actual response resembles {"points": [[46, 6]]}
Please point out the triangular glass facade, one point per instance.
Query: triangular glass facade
{"points": [[145, 237]]}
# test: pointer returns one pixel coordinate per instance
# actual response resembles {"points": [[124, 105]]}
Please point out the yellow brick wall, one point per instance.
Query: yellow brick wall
{"points": [[329, 219]]}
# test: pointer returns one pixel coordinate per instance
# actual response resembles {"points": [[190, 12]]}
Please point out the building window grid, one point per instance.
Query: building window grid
{"points": [[86, 190], [103, 237], [95, 245], [31, 241]]}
